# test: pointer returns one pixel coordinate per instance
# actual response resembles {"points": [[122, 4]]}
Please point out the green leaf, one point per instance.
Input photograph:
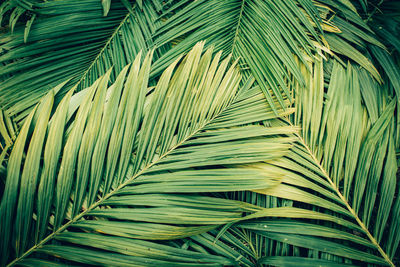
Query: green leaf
{"points": [[129, 158]]}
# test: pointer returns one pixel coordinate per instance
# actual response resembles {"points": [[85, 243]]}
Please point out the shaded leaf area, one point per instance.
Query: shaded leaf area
{"points": [[25, 11], [121, 158], [8, 133], [69, 40], [266, 35], [12, 11], [378, 42], [383, 18], [263, 34], [354, 38]]}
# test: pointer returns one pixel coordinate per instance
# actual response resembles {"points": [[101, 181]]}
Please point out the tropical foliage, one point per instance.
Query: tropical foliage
{"points": [[191, 133]]}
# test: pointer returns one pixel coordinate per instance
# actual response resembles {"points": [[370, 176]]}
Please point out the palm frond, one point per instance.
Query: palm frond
{"points": [[329, 198], [7, 135], [13, 10], [69, 40], [181, 148], [267, 35], [343, 162], [264, 35]]}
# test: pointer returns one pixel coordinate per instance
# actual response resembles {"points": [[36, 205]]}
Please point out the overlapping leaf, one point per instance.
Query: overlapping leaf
{"points": [[338, 180], [263, 34], [70, 40], [344, 162]]}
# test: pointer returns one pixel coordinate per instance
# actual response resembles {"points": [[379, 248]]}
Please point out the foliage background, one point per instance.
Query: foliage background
{"points": [[329, 70]]}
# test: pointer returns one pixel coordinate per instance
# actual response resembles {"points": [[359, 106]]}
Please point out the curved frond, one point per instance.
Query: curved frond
{"points": [[69, 40], [263, 34], [13, 10], [343, 162], [125, 159]]}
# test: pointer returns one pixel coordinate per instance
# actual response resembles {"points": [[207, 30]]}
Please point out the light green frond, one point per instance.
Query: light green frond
{"points": [[127, 158]]}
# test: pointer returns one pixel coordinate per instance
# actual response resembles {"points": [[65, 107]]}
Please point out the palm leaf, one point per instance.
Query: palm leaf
{"points": [[14, 9], [335, 179], [267, 35], [62, 45], [245, 32], [178, 151], [336, 167], [7, 135], [337, 155]]}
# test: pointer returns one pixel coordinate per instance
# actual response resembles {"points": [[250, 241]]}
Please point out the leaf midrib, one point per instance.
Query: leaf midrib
{"points": [[237, 26], [350, 209], [105, 46], [115, 191]]}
